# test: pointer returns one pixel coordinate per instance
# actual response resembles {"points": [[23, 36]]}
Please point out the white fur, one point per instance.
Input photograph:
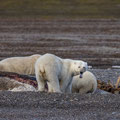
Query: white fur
{"points": [[23, 87], [86, 84], [57, 72], [20, 65]]}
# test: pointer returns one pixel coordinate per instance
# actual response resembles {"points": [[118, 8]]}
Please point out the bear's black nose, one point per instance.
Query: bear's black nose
{"points": [[81, 73]]}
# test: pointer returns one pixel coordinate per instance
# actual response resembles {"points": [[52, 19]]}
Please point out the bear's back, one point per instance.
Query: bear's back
{"points": [[21, 65], [48, 59], [87, 79]]}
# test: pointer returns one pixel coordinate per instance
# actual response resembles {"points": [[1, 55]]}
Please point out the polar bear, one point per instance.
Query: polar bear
{"points": [[57, 72], [86, 84], [20, 65]]}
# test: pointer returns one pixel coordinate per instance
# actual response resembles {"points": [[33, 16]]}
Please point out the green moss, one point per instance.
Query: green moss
{"points": [[60, 9]]}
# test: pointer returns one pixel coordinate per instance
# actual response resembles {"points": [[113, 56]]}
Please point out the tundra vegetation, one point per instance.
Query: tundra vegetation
{"points": [[60, 9]]}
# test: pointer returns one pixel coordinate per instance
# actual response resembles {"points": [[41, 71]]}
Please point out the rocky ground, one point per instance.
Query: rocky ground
{"points": [[53, 106], [44, 106], [95, 41]]}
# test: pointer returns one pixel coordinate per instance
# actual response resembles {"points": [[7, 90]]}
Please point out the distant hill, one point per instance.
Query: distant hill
{"points": [[60, 8]]}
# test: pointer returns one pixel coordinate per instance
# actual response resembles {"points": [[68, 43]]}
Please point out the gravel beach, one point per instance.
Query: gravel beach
{"points": [[54, 106], [46, 106], [95, 41]]}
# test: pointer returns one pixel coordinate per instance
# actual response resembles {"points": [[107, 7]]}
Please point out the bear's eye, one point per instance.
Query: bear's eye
{"points": [[79, 67]]}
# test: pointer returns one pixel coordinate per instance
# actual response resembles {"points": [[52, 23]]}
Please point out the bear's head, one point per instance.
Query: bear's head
{"points": [[79, 67]]}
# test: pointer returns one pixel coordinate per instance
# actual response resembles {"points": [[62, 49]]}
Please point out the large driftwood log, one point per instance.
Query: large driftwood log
{"points": [[109, 87]]}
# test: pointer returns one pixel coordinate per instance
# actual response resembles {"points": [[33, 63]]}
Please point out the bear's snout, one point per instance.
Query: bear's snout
{"points": [[82, 71], [81, 74]]}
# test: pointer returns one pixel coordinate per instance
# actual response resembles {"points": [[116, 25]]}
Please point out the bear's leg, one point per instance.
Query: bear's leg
{"points": [[66, 85], [75, 90], [69, 89], [54, 83], [41, 83], [83, 90], [50, 89]]}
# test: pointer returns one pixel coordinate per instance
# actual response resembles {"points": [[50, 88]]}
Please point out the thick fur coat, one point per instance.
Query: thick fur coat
{"points": [[20, 65], [86, 84], [57, 72]]}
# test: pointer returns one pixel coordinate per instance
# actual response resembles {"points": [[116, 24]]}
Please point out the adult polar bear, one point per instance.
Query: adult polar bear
{"points": [[57, 72], [86, 84], [20, 65]]}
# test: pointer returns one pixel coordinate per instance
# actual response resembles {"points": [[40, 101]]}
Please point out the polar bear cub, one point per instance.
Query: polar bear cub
{"points": [[57, 72], [86, 84], [20, 65]]}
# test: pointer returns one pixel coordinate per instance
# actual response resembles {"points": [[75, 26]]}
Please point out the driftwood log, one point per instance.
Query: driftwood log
{"points": [[109, 87]]}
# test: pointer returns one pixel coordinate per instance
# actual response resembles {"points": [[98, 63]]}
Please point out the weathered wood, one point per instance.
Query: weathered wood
{"points": [[109, 87]]}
